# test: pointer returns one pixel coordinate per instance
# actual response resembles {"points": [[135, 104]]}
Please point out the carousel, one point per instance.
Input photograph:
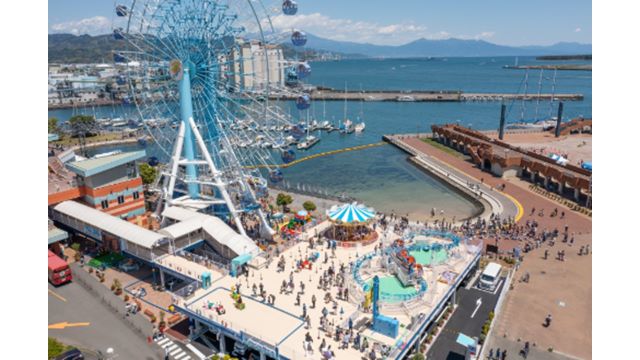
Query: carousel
{"points": [[351, 223]]}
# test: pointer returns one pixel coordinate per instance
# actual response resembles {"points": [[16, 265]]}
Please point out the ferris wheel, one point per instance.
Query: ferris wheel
{"points": [[201, 74]]}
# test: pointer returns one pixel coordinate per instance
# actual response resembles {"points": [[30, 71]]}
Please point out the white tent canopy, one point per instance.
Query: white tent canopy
{"points": [[217, 229], [351, 213]]}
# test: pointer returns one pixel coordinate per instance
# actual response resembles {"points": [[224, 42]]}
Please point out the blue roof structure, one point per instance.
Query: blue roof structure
{"points": [[351, 213], [466, 341]]}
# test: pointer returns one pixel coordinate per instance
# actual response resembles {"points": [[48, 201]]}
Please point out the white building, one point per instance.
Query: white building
{"points": [[255, 66]]}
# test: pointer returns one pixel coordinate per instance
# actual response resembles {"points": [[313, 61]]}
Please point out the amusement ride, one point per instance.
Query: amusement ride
{"points": [[201, 74]]}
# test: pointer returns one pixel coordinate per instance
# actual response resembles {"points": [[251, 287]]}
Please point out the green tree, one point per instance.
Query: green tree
{"points": [[309, 206], [56, 348], [53, 125], [418, 356], [83, 125], [284, 200], [148, 173]]}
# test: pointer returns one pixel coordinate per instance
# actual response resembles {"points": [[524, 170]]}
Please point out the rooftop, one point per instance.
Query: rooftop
{"points": [[118, 227], [94, 166]]}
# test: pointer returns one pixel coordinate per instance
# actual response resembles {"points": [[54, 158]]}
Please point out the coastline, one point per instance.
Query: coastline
{"points": [[486, 199]]}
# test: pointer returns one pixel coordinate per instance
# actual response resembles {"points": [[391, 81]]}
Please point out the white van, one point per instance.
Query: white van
{"points": [[490, 277]]}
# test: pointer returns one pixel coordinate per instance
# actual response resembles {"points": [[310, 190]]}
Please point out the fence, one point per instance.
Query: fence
{"points": [[137, 323], [317, 192]]}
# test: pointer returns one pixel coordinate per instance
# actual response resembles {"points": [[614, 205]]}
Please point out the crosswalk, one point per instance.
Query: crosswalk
{"points": [[175, 351]]}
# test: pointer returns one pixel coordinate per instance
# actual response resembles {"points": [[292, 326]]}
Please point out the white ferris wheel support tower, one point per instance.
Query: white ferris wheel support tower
{"points": [[213, 177]]}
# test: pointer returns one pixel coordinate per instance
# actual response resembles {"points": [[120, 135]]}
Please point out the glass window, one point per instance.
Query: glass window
{"points": [[105, 204], [120, 199], [136, 195]]}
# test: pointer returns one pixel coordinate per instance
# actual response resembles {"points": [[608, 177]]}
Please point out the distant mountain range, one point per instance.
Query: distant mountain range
{"points": [[69, 48], [444, 48]]}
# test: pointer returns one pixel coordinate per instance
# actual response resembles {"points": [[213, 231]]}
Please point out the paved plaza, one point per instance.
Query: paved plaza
{"points": [[562, 288], [282, 324]]}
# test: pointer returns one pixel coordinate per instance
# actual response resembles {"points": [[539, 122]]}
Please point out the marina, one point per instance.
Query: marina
{"points": [[222, 189]]}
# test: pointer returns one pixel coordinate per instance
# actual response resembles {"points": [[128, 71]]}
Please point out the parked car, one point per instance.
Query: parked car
{"points": [[73, 354], [128, 265]]}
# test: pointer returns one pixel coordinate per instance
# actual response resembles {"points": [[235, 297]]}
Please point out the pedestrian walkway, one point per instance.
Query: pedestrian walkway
{"points": [[174, 350], [514, 349]]}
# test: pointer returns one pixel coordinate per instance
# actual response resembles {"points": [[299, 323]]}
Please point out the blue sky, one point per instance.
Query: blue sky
{"points": [[506, 22]]}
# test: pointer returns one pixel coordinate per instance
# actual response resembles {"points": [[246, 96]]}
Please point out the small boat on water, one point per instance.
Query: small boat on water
{"points": [[104, 122], [308, 142], [290, 140], [347, 127], [280, 144], [405, 98], [118, 122], [325, 125], [360, 127]]}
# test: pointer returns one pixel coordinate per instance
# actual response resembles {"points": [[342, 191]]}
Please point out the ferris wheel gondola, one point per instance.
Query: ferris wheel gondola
{"points": [[298, 38], [289, 7]]}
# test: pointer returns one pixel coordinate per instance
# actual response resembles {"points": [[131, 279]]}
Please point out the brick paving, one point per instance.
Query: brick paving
{"points": [[561, 288]]}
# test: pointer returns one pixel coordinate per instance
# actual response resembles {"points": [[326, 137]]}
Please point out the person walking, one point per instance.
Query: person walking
{"points": [[504, 355], [547, 321]]}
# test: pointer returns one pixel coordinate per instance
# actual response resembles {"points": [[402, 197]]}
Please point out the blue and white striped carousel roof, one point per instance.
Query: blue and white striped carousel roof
{"points": [[350, 213]]}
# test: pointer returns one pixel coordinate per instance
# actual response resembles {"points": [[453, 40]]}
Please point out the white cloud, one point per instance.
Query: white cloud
{"points": [[96, 25], [481, 36], [363, 31], [578, 29], [350, 30]]}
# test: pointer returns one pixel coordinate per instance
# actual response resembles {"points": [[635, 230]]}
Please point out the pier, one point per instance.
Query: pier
{"points": [[579, 67], [424, 96]]}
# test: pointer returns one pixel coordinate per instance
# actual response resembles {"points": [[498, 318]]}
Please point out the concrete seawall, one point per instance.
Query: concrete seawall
{"points": [[486, 202]]}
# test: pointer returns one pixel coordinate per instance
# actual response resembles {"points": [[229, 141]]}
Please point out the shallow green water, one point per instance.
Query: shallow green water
{"points": [[425, 258], [391, 285]]}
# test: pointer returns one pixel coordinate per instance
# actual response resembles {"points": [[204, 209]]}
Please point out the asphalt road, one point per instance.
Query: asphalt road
{"points": [[467, 319], [74, 304]]}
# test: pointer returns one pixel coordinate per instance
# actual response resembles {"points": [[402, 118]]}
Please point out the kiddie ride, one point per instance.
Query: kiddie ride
{"points": [[216, 307], [295, 224], [308, 263], [237, 298], [403, 265]]}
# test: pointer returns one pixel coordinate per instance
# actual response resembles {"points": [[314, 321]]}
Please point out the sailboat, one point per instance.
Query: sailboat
{"points": [[309, 140], [361, 125], [540, 124], [347, 126], [324, 124]]}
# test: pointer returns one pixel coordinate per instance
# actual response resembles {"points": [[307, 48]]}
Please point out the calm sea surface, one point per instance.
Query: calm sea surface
{"points": [[381, 176]]}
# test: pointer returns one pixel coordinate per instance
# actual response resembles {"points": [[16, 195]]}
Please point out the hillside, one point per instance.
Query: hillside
{"points": [[87, 49]]}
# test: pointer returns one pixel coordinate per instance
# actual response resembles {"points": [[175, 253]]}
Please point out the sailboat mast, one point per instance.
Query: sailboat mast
{"points": [[526, 83], [345, 100], [553, 92], [538, 99], [361, 103], [324, 107]]}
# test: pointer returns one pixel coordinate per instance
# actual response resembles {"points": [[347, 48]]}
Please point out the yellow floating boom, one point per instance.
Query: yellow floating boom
{"points": [[314, 156]]}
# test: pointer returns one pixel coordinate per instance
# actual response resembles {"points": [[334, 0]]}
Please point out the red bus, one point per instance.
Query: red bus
{"points": [[59, 271]]}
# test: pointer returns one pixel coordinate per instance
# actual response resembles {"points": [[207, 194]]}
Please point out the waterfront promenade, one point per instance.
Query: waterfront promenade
{"points": [[560, 288]]}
